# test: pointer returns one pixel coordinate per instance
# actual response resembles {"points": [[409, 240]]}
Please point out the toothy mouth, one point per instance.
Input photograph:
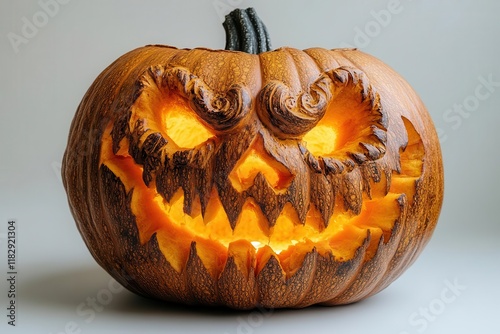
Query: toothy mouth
{"points": [[176, 230]]}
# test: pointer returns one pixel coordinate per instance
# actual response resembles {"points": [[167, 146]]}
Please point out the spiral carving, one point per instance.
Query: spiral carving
{"points": [[289, 115], [220, 111]]}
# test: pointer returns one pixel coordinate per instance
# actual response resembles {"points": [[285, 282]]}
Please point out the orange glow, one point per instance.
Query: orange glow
{"points": [[176, 121], [320, 141], [183, 127]]}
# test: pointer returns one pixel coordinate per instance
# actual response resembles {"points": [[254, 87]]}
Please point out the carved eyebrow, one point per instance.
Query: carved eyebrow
{"points": [[220, 111], [291, 116]]}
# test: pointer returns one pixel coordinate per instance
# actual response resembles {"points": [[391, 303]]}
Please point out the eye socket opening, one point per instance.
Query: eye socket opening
{"points": [[182, 126]]}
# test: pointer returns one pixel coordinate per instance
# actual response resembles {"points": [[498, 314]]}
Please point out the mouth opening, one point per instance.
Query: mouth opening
{"points": [[288, 239]]}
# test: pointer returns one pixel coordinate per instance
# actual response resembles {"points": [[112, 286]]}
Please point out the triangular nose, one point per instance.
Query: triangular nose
{"points": [[257, 161]]}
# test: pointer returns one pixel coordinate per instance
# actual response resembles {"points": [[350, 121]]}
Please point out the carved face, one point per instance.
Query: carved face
{"points": [[283, 179]]}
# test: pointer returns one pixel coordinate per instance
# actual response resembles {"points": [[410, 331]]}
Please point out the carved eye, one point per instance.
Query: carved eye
{"points": [[222, 112], [353, 127], [173, 106]]}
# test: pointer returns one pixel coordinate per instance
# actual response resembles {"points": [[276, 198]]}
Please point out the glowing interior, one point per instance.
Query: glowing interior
{"points": [[340, 129], [320, 141], [289, 240], [411, 163], [184, 129], [176, 121]]}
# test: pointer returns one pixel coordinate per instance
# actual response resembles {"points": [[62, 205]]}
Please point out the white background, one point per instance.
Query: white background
{"points": [[445, 49]]}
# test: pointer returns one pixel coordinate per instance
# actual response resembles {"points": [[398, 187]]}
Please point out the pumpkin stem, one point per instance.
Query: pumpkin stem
{"points": [[246, 32]]}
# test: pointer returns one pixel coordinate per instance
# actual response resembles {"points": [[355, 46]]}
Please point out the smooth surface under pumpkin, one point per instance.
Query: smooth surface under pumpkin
{"points": [[281, 179]]}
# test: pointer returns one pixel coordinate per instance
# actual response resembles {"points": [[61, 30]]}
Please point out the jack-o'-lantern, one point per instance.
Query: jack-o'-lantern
{"points": [[250, 177]]}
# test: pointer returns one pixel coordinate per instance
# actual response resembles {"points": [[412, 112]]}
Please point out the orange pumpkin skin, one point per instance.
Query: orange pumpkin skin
{"points": [[342, 221]]}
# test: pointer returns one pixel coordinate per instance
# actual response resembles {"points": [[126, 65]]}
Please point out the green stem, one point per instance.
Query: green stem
{"points": [[246, 32]]}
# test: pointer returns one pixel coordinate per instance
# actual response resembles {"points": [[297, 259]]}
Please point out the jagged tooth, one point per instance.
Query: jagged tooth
{"points": [[205, 184], [235, 290], [194, 177], [166, 182], [275, 290], [270, 203], [203, 286], [152, 144], [400, 229], [323, 195], [182, 175], [204, 160], [120, 130], [359, 158], [232, 202], [166, 283], [329, 279], [374, 171], [314, 163], [370, 171], [336, 181], [227, 156], [205, 153], [372, 152], [299, 195], [349, 165], [134, 139], [379, 134], [351, 187], [237, 285], [333, 166], [378, 109], [180, 158], [152, 153], [189, 194], [388, 177], [375, 267], [368, 94]]}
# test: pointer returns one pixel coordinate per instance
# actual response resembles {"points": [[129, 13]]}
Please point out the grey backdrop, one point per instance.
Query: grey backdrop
{"points": [[51, 51]]}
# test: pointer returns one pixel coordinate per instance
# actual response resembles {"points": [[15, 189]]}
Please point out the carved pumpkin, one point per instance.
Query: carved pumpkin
{"points": [[284, 178]]}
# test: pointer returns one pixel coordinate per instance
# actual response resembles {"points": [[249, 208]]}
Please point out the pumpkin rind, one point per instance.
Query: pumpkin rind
{"points": [[101, 202]]}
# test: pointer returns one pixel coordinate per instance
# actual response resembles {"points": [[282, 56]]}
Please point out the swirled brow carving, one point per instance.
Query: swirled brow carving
{"points": [[220, 111], [292, 116], [329, 101]]}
